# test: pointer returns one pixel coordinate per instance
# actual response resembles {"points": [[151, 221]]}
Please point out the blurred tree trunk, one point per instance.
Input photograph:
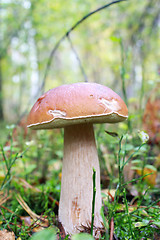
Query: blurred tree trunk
{"points": [[1, 94]]}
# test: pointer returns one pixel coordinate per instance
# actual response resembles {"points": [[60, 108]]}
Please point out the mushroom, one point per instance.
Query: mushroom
{"points": [[76, 107]]}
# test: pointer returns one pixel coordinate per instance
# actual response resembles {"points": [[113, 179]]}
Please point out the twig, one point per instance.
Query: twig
{"points": [[4, 198], [37, 219], [68, 32], [27, 185], [78, 59], [7, 209], [33, 215]]}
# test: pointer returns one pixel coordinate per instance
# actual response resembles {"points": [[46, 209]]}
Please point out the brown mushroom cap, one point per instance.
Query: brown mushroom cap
{"points": [[77, 103]]}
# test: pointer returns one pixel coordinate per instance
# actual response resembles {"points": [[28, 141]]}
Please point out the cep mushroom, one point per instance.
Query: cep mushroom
{"points": [[76, 107]]}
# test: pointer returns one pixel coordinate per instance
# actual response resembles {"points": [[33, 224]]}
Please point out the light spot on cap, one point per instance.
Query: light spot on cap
{"points": [[57, 113], [110, 104]]}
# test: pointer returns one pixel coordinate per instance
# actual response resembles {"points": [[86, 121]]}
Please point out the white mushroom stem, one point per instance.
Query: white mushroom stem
{"points": [[80, 157]]}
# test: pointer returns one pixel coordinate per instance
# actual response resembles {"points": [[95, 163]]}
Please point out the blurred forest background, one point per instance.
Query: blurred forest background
{"points": [[117, 46]]}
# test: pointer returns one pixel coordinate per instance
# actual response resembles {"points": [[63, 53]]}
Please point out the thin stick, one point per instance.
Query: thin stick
{"points": [[93, 201], [33, 215], [66, 35], [78, 59]]}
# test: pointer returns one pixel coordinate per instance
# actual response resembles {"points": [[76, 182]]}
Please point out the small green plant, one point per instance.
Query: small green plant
{"points": [[134, 216], [93, 201], [120, 208]]}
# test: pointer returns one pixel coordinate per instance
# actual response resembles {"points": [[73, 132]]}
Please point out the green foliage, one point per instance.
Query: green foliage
{"points": [[137, 223], [48, 234], [82, 236]]}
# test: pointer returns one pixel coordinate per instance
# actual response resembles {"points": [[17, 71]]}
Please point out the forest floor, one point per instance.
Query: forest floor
{"points": [[30, 183]]}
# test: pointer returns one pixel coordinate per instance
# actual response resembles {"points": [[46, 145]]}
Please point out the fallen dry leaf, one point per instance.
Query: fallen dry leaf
{"points": [[150, 179], [151, 117], [5, 235]]}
